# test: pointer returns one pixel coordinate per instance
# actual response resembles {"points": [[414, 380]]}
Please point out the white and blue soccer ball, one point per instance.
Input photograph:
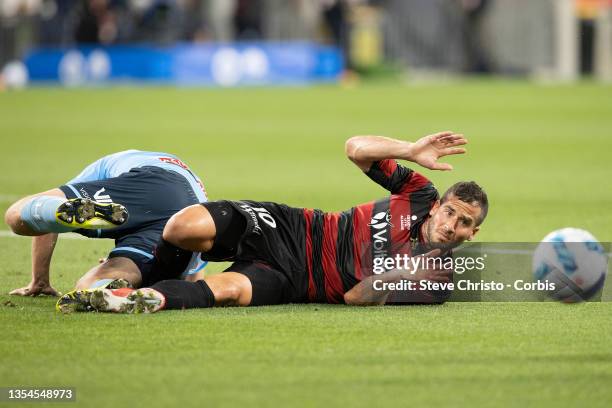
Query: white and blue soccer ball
{"points": [[574, 261]]}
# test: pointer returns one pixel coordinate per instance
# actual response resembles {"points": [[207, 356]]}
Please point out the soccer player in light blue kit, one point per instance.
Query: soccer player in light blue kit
{"points": [[127, 196]]}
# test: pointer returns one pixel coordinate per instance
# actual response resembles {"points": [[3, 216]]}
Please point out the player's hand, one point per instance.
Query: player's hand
{"points": [[36, 289], [435, 275], [427, 150], [430, 273]]}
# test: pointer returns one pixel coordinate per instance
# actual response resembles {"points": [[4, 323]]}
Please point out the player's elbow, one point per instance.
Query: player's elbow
{"points": [[351, 148], [351, 298]]}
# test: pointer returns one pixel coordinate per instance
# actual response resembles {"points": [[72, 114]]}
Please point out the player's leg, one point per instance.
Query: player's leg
{"points": [[224, 289], [242, 284], [254, 284], [214, 228], [53, 211], [112, 268], [194, 277], [131, 260], [35, 214], [192, 228], [227, 289]]}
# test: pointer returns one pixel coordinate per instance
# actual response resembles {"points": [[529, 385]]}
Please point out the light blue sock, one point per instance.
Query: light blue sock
{"points": [[39, 214], [101, 283]]}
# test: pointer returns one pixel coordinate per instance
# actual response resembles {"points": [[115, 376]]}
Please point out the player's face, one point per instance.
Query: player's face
{"points": [[453, 221]]}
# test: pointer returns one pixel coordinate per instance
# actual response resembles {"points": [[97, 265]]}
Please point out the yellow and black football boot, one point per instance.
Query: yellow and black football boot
{"points": [[88, 214]]}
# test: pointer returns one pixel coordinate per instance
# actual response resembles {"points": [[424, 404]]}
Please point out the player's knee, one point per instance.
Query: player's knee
{"points": [[85, 282], [12, 218], [230, 289], [112, 268], [230, 292], [88, 281], [9, 218], [177, 230], [187, 229]]}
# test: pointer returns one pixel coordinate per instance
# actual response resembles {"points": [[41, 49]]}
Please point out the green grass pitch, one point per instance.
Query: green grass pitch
{"points": [[542, 153]]}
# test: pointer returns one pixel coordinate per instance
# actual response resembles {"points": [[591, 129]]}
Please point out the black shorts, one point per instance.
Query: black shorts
{"points": [[151, 195], [269, 286], [270, 250]]}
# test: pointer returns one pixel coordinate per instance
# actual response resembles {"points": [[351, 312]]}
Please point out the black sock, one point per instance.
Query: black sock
{"points": [[170, 262], [181, 294]]}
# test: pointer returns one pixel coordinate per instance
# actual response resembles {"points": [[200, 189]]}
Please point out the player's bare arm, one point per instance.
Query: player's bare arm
{"points": [[364, 150], [365, 293], [42, 252], [42, 248]]}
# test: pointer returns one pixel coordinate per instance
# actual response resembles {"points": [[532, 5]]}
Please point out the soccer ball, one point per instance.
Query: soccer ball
{"points": [[574, 261]]}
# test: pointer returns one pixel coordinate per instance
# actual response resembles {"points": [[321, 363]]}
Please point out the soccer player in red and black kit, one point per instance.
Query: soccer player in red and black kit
{"points": [[283, 254]]}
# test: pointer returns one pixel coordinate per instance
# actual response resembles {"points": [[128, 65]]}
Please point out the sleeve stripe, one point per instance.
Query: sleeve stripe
{"points": [[388, 167], [416, 182], [396, 178]]}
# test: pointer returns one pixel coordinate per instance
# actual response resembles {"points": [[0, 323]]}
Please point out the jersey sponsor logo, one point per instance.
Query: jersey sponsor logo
{"points": [[100, 197], [379, 227], [380, 220]]}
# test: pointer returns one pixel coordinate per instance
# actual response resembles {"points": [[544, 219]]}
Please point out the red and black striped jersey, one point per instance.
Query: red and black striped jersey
{"points": [[341, 246]]}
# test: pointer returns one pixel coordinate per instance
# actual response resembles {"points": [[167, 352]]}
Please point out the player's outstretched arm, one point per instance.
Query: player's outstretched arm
{"points": [[364, 150], [42, 251]]}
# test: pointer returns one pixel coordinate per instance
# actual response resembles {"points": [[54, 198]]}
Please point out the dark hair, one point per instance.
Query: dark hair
{"points": [[469, 192]]}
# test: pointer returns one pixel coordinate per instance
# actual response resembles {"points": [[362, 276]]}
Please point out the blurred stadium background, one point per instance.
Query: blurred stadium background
{"points": [[525, 80], [232, 42]]}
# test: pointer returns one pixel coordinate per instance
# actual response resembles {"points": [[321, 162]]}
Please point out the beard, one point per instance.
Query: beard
{"points": [[429, 242]]}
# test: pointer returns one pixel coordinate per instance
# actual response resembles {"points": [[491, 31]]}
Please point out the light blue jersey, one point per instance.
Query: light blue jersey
{"points": [[116, 164]]}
